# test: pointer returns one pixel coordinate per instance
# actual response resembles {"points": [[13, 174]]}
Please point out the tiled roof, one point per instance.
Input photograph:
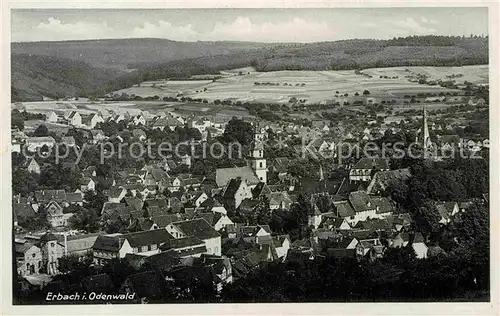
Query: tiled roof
{"points": [[108, 243], [224, 175], [344, 208], [197, 227], [148, 237], [372, 163]]}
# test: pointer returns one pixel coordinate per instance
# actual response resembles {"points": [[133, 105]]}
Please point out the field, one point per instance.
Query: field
{"points": [[312, 86]]}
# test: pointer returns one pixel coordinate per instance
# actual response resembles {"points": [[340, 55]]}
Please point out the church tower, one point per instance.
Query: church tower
{"points": [[257, 161]]}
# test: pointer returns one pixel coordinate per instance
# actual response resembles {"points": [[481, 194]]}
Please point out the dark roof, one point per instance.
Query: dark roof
{"points": [[163, 220], [223, 175], [148, 237], [361, 201], [185, 242], [341, 253], [134, 202], [232, 187], [23, 210], [344, 208], [209, 217], [372, 163], [44, 196], [47, 237], [383, 203], [197, 227], [108, 243], [163, 261], [74, 197]]}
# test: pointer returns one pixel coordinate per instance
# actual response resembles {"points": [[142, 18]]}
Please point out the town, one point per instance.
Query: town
{"points": [[320, 155], [216, 220]]}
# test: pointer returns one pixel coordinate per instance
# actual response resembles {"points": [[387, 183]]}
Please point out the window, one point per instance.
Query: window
{"points": [[260, 165], [154, 247], [144, 248]]}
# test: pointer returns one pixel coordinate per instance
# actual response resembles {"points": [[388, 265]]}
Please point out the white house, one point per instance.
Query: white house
{"points": [[197, 228], [51, 117]]}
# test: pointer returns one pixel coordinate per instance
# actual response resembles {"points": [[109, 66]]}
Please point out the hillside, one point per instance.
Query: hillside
{"points": [[340, 55], [37, 76], [129, 53], [94, 67]]}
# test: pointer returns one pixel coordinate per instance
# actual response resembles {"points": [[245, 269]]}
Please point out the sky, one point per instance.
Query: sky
{"points": [[252, 25]]}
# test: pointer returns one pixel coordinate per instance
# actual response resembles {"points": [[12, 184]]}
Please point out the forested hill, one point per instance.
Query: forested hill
{"points": [[122, 53], [90, 73], [340, 55], [33, 77]]}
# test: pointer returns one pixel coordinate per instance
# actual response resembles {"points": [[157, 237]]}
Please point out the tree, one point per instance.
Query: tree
{"points": [[83, 219], [366, 92], [238, 131], [41, 130], [24, 182]]}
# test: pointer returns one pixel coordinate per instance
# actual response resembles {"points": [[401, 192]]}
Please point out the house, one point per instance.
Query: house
{"points": [[449, 142], [139, 120], [419, 246], [74, 118], [107, 247], [78, 245], [185, 247], [400, 240], [282, 244], [335, 223], [34, 143], [32, 166], [371, 248], [446, 211], [147, 242], [75, 198], [382, 180], [198, 228], [55, 215], [115, 194], [365, 167], [235, 192], [279, 200], [217, 220], [253, 234], [92, 120], [51, 117], [87, 184], [246, 173], [167, 122], [199, 198], [280, 165], [28, 258], [320, 126], [22, 212], [201, 124]]}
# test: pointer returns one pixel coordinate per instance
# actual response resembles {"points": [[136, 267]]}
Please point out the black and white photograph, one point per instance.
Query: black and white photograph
{"points": [[249, 155]]}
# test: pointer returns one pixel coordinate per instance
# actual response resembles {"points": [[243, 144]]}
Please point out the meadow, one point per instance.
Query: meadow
{"points": [[246, 85]]}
